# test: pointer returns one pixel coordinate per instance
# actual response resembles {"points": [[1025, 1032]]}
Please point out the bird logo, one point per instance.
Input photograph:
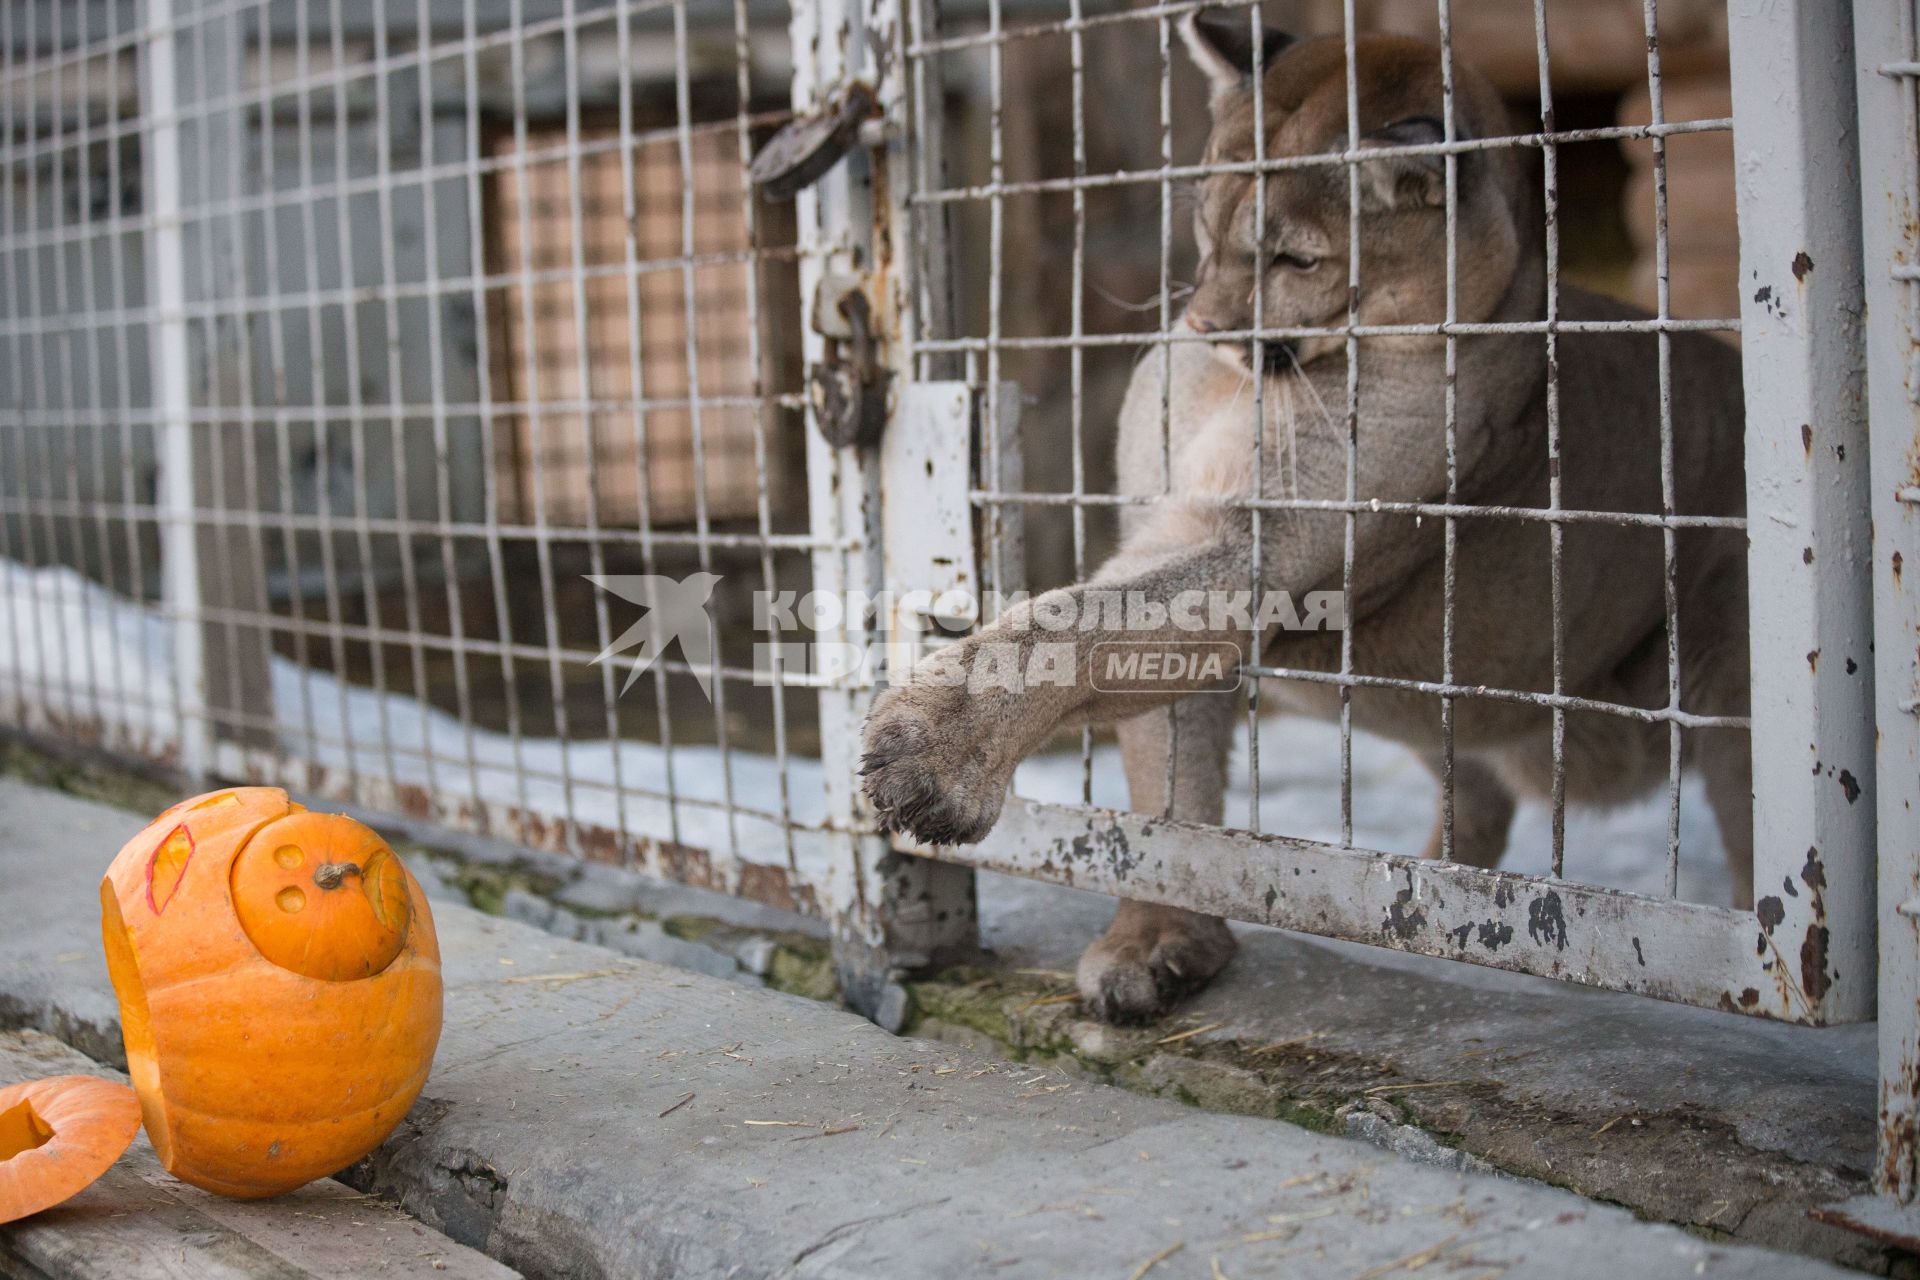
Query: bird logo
{"points": [[676, 610]]}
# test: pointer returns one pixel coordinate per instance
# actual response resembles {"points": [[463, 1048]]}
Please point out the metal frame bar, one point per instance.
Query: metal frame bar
{"points": [[889, 911], [1677, 951], [1809, 529], [1886, 46], [173, 394]]}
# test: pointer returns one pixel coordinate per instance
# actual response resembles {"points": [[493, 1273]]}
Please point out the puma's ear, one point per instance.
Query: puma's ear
{"points": [[1402, 182], [1221, 45]]}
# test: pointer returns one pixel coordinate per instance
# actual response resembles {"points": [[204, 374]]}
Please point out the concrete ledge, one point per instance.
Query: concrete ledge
{"points": [[139, 1221], [592, 1115]]}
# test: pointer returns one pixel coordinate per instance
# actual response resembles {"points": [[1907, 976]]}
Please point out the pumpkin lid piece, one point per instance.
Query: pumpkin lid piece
{"points": [[57, 1136]]}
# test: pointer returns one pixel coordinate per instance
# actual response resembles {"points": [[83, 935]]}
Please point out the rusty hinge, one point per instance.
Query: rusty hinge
{"points": [[807, 147]]}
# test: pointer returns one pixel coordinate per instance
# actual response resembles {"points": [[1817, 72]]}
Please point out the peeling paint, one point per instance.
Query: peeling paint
{"points": [[1402, 922], [1546, 921], [1814, 873]]}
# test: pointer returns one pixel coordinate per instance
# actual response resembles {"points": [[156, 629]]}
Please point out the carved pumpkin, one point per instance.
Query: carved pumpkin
{"points": [[279, 986], [57, 1136]]}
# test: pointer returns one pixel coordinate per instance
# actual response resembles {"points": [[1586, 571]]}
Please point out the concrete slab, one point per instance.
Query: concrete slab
{"points": [[140, 1221], [1726, 1124], [593, 1115], [1805, 1091]]}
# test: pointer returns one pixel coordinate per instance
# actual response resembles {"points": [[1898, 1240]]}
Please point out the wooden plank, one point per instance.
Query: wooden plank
{"points": [[138, 1220]]}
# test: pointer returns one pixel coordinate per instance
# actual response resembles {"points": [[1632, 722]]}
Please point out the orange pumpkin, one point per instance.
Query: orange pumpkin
{"points": [[57, 1136], [279, 986]]}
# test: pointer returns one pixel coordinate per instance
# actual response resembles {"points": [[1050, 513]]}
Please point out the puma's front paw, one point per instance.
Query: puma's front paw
{"points": [[1149, 959], [931, 766]]}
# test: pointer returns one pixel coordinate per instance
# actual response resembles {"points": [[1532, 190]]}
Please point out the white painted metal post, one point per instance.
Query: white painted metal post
{"points": [[889, 912], [1809, 535], [1888, 61], [172, 385]]}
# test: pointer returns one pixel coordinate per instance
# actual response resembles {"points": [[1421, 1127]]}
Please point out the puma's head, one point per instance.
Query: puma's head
{"points": [[1302, 250]]}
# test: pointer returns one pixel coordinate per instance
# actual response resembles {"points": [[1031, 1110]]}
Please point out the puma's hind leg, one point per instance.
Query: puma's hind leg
{"points": [[1483, 808], [1151, 956]]}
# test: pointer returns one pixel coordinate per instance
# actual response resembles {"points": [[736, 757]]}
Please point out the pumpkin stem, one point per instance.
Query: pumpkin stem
{"points": [[330, 875]]}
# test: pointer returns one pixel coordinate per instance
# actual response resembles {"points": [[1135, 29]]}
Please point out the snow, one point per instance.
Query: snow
{"points": [[69, 648]]}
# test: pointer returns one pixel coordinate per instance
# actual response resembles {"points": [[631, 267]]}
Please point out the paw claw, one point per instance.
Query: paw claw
{"points": [[926, 785]]}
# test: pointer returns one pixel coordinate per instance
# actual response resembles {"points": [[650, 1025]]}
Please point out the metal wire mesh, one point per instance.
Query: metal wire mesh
{"points": [[341, 343], [1032, 172], [342, 350]]}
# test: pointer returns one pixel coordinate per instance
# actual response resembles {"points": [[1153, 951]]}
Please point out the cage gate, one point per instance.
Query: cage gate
{"points": [[1804, 955], [366, 373]]}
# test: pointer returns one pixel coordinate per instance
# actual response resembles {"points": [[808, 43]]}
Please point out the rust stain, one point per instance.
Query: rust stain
{"points": [[1802, 264], [683, 863], [414, 800], [1849, 785], [1813, 963], [769, 884], [1770, 912], [1896, 1155], [600, 844]]}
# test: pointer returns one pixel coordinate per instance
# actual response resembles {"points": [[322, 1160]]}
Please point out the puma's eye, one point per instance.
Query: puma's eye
{"points": [[1296, 261]]}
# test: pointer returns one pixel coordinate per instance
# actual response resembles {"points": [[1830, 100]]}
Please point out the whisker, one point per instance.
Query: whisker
{"points": [[1174, 294], [1326, 415]]}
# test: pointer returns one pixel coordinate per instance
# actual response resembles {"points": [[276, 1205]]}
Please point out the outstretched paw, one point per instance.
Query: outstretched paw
{"points": [[929, 771]]}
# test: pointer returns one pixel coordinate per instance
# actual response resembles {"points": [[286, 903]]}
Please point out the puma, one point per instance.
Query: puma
{"points": [[941, 747]]}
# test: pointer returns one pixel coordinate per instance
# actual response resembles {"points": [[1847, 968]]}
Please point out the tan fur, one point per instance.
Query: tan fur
{"points": [[940, 756]]}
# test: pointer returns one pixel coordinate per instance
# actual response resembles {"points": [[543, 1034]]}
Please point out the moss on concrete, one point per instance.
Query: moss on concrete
{"points": [[803, 966], [86, 777], [486, 884], [1026, 1020]]}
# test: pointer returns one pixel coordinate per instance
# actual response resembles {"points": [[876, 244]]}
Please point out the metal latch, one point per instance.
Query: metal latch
{"points": [[849, 388], [804, 149]]}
